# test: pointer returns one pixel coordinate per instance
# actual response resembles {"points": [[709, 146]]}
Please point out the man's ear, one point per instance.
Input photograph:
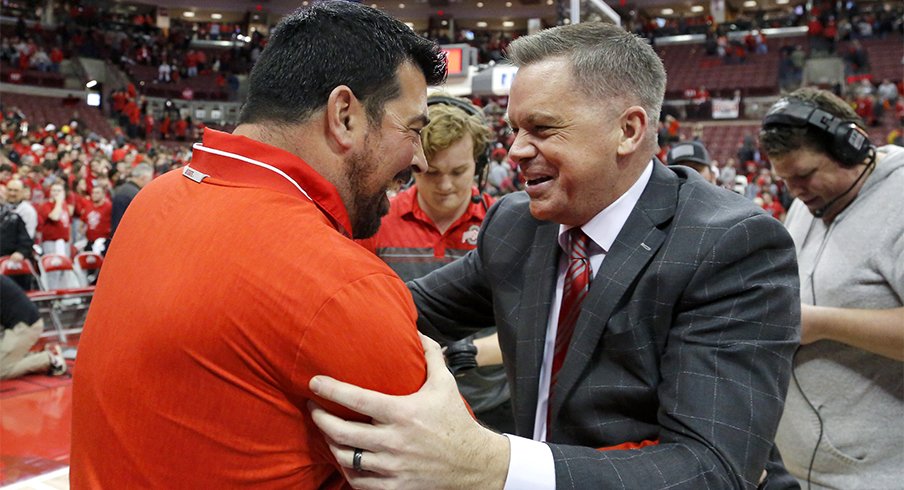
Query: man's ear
{"points": [[346, 119], [634, 123]]}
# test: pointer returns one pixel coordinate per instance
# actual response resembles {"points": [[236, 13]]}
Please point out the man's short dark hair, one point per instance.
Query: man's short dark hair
{"points": [[333, 43]]}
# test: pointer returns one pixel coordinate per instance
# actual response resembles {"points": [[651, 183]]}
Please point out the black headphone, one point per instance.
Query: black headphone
{"points": [[847, 142], [483, 159]]}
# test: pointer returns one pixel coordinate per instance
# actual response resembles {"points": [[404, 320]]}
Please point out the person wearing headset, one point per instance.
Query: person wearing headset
{"points": [[436, 221], [842, 426]]}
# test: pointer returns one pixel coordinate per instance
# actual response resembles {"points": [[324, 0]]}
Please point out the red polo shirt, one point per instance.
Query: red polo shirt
{"points": [[227, 287], [410, 243]]}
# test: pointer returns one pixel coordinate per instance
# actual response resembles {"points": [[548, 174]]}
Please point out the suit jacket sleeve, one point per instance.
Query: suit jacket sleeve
{"points": [[724, 372], [455, 301]]}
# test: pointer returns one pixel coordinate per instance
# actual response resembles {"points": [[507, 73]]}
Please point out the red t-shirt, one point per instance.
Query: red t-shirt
{"points": [[96, 219], [58, 229]]}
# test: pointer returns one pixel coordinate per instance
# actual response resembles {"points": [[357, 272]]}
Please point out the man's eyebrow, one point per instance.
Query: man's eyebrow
{"points": [[532, 119]]}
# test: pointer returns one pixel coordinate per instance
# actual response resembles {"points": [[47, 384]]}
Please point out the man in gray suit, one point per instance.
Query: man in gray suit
{"points": [[676, 358]]}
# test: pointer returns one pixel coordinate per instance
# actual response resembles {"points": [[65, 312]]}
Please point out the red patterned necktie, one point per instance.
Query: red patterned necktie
{"points": [[577, 282]]}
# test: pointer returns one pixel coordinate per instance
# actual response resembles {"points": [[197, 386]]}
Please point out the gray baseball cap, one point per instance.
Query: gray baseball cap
{"points": [[688, 151]]}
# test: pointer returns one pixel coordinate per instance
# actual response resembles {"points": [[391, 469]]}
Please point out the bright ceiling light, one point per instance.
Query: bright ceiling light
{"points": [[188, 14], [508, 23], [508, 4], [750, 3], [667, 11], [480, 5], [216, 16], [481, 24], [697, 8]]}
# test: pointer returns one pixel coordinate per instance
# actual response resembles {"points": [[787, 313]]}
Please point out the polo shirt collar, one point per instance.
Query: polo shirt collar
{"points": [[241, 160], [409, 207]]}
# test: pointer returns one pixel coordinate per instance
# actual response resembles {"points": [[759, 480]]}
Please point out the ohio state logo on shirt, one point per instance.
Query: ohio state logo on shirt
{"points": [[93, 220], [470, 236]]}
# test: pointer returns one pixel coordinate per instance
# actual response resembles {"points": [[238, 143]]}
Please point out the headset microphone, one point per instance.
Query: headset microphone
{"points": [[819, 213]]}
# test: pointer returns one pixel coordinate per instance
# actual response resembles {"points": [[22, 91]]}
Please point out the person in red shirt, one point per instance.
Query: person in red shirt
{"points": [[165, 127], [95, 214], [181, 129], [435, 222], [772, 205], [55, 226], [229, 285], [55, 222]]}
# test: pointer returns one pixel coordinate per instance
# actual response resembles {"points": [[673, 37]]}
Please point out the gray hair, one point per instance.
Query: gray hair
{"points": [[608, 63], [142, 170]]}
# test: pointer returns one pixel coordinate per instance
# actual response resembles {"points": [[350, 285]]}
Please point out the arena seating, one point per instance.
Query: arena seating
{"points": [[59, 111], [15, 75]]}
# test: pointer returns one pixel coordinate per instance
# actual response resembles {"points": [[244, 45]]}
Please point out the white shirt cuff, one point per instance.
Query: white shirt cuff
{"points": [[531, 466]]}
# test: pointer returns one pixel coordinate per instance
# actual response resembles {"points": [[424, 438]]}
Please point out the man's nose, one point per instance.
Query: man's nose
{"points": [[419, 160], [521, 149]]}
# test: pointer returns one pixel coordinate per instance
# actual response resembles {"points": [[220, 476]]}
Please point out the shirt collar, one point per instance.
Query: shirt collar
{"points": [[240, 160], [607, 224], [410, 207]]}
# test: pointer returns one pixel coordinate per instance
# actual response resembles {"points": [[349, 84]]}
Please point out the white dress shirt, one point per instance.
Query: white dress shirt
{"points": [[29, 216], [531, 465]]}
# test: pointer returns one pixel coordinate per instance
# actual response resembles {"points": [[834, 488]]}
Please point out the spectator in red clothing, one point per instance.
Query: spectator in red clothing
{"points": [[96, 214], [148, 126], [191, 64], [165, 127], [55, 228], [181, 127], [772, 205], [865, 108], [56, 57]]}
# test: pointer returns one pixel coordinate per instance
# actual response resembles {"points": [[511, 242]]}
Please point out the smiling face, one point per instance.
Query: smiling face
{"points": [[572, 150], [444, 190], [390, 150]]}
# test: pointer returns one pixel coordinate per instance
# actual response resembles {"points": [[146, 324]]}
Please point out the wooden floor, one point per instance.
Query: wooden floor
{"points": [[36, 416]]}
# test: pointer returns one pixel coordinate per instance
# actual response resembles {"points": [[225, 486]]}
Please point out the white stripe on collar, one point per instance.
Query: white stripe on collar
{"points": [[201, 147]]}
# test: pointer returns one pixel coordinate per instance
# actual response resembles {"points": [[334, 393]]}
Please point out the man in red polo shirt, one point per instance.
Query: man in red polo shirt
{"points": [[231, 283]]}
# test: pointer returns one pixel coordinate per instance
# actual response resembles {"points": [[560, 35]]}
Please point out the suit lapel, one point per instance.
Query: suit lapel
{"points": [[634, 247], [536, 299]]}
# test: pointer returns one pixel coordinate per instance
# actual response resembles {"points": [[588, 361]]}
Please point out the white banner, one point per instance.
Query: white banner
{"points": [[726, 108]]}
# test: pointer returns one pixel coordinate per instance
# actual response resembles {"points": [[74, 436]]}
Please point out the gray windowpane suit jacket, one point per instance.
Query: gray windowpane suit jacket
{"points": [[686, 336]]}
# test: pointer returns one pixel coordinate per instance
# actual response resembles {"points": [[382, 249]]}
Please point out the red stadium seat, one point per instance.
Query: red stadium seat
{"points": [[57, 263], [87, 267], [21, 268]]}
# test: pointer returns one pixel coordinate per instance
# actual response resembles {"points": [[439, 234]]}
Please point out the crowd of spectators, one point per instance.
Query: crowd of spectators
{"points": [[61, 179], [41, 155]]}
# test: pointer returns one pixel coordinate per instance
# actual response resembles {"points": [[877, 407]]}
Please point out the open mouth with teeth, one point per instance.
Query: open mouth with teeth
{"points": [[538, 180]]}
